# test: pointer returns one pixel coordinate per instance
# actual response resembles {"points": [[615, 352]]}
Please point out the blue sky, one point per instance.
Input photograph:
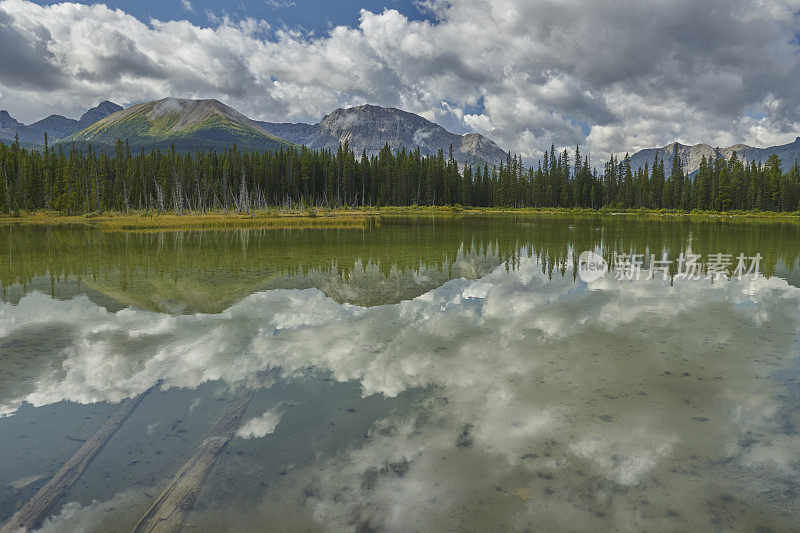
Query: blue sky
{"points": [[310, 15]]}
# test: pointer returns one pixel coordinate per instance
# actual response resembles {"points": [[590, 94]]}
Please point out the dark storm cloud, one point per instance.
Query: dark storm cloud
{"points": [[25, 61], [121, 57]]}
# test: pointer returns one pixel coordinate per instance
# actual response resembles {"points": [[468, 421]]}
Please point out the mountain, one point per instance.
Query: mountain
{"points": [[56, 126], [691, 155], [370, 128], [98, 113], [185, 124], [788, 153], [8, 124]]}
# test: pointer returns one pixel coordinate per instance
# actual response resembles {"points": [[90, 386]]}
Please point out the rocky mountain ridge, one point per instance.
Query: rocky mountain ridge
{"points": [[369, 128], [691, 155]]}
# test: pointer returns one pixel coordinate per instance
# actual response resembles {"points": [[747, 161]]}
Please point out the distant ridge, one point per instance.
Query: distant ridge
{"points": [[56, 126], [369, 128], [692, 155]]}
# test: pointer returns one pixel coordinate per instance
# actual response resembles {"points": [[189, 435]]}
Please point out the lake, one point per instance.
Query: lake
{"points": [[420, 374]]}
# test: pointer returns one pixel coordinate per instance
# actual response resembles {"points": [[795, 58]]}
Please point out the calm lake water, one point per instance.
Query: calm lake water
{"points": [[417, 375]]}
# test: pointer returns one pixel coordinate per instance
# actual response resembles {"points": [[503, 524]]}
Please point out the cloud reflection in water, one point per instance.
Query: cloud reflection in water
{"points": [[627, 405]]}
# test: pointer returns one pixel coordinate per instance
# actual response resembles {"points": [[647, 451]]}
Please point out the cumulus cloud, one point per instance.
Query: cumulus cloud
{"points": [[634, 74]]}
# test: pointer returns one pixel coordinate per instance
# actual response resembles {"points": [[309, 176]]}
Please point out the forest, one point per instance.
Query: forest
{"points": [[75, 180]]}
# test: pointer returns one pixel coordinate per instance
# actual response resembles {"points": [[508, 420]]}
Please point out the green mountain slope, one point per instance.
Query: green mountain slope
{"points": [[186, 124]]}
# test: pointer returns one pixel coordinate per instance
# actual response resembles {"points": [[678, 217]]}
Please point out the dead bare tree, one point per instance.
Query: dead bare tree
{"points": [[125, 196], [159, 197], [177, 194], [8, 191], [244, 197]]}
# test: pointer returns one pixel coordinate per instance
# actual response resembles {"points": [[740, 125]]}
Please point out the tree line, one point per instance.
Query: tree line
{"points": [[76, 180]]}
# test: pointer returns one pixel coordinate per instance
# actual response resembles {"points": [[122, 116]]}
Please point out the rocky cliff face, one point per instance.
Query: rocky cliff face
{"points": [[369, 128], [56, 126]]}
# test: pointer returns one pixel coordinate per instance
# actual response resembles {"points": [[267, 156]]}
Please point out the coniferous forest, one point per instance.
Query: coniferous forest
{"points": [[74, 181]]}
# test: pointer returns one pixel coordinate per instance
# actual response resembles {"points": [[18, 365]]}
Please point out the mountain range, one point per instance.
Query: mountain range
{"points": [[56, 126], [206, 124], [210, 124], [691, 155]]}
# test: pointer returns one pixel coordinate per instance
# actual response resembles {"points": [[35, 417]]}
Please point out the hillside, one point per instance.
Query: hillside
{"points": [[186, 124], [369, 128]]}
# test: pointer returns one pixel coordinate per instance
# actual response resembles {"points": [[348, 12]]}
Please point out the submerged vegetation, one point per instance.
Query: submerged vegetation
{"points": [[297, 179]]}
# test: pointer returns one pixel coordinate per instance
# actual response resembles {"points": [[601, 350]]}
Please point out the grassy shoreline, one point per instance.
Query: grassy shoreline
{"points": [[148, 221], [338, 218], [457, 210]]}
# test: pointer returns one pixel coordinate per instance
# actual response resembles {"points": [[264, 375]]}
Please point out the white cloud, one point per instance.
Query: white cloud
{"points": [[187, 5], [276, 4], [639, 74], [261, 426]]}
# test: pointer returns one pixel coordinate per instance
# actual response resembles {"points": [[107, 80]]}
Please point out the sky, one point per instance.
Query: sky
{"points": [[317, 16], [611, 76]]}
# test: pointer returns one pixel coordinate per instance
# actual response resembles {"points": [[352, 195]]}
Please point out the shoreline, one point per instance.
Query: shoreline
{"points": [[661, 213], [148, 221], [343, 218]]}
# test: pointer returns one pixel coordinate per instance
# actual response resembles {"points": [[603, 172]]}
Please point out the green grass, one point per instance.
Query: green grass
{"points": [[609, 211], [346, 217], [147, 221]]}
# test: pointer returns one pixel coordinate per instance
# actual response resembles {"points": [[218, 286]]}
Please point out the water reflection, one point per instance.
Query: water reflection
{"points": [[503, 394], [208, 271]]}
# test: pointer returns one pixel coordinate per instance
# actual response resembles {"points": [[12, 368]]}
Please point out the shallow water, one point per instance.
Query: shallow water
{"points": [[419, 375]]}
